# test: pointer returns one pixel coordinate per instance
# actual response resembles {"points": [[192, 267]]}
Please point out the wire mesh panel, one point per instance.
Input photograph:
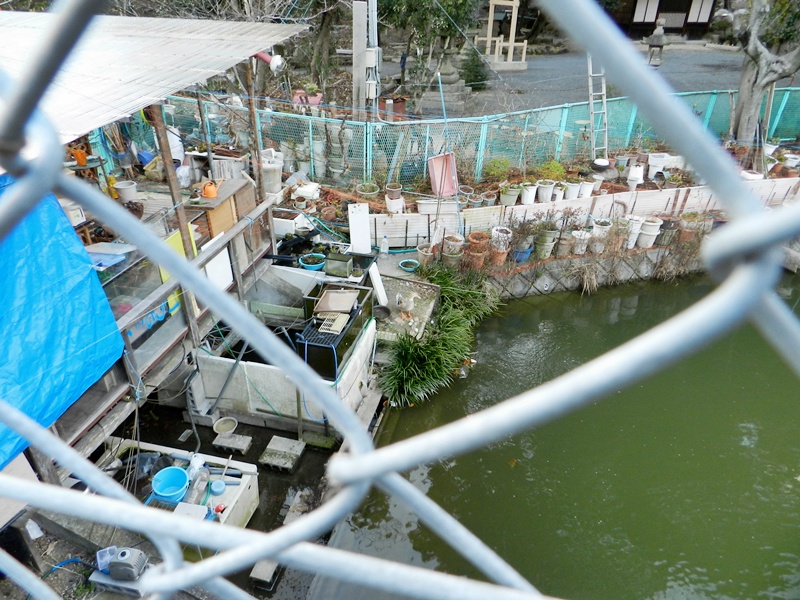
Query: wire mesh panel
{"points": [[341, 152], [742, 256]]}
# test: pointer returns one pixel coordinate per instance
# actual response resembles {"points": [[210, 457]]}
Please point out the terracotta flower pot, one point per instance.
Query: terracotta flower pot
{"points": [[474, 260], [497, 257], [478, 241]]}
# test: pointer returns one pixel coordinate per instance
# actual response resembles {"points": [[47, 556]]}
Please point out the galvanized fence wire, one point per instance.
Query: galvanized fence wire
{"points": [[747, 273]]}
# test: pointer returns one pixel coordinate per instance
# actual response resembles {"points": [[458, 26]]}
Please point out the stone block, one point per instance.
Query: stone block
{"points": [[282, 453], [233, 442]]}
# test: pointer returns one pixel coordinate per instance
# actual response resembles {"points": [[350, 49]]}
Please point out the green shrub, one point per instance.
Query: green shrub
{"points": [[496, 168], [474, 71], [419, 368]]}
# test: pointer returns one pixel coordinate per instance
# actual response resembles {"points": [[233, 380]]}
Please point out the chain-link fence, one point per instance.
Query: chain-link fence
{"points": [[341, 152], [744, 256]]}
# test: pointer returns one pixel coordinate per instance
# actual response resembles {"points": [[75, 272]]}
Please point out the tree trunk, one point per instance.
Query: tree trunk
{"points": [[751, 95], [321, 56]]}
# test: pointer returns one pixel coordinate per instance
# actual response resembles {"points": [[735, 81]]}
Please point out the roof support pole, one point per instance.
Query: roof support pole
{"points": [[255, 134], [187, 298]]}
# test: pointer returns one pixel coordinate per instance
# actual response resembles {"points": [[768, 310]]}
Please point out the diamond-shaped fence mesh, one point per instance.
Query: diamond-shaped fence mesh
{"points": [[743, 256], [342, 152]]}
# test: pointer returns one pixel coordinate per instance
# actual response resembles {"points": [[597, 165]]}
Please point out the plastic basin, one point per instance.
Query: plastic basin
{"points": [[171, 484], [302, 260]]}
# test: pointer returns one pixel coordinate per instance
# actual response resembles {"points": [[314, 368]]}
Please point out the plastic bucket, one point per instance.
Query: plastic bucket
{"points": [[646, 240], [636, 173], [395, 207], [126, 190], [171, 484], [501, 237], [453, 243], [581, 241]]}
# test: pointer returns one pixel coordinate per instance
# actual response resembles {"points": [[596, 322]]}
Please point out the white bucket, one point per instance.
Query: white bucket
{"points": [[634, 227], [656, 161], [646, 240], [545, 189], [529, 193], [126, 190], [587, 187], [651, 226], [395, 206], [572, 191], [636, 173], [581, 242]]}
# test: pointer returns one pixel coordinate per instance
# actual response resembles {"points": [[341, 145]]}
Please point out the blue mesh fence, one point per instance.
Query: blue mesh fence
{"points": [[342, 152]]}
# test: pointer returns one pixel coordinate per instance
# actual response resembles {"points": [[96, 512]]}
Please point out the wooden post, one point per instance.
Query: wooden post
{"points": [[187, 301], [43, 466], [255, 137]]}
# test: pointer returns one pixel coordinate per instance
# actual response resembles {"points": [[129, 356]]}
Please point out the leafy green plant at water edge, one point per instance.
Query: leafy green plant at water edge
{"points": [[419, 368]]}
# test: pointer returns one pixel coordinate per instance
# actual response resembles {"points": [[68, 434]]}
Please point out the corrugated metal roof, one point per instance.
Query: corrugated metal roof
{"points": [[123, 64]]}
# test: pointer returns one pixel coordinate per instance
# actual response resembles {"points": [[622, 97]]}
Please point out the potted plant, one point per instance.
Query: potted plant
{"points": [[522, 234], [313, 261], [509, 193], [572, 187], [367, 189], [549, 172], [309, 94], [600, 230], [558, 191], [394, 190], [528, 195]]}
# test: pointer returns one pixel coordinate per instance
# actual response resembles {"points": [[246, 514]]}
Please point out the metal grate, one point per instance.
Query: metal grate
{"points": [[744, 256]]}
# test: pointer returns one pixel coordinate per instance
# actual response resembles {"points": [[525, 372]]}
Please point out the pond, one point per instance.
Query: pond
{"points": [[685, 486]]}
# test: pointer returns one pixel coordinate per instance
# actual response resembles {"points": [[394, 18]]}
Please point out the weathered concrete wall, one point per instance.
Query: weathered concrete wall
{"points": [[567, 274]]}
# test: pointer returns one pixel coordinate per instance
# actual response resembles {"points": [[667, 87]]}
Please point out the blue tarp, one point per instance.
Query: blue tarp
{"points": [[59, 332]]}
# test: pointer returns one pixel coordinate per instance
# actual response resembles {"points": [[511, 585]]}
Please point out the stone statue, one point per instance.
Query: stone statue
{"points": [[656, 43]]}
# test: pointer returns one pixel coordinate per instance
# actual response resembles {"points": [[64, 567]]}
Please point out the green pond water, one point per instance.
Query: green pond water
{"points": [[685, 486]]}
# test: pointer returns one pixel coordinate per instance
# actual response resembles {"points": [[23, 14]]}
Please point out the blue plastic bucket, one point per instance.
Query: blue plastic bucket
{"points": [[171, 484]]}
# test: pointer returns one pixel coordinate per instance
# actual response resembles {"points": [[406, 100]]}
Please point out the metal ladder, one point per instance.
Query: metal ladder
{"points": [[598, 114]]}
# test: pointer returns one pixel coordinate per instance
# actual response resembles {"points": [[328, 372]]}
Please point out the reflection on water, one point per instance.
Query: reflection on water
{"points": [[685, 486]]}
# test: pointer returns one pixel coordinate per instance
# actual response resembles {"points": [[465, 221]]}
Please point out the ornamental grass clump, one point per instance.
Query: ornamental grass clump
{"points": [[420, 368]]}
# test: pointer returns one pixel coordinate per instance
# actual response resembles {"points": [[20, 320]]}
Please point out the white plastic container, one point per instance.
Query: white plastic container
{"points": [[395, 206], [126, 190], [581, 242], [792, 160], [634, 228], [271, 171], [656, 162]]}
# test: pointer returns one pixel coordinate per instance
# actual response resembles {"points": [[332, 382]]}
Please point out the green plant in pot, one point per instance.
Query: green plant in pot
{"points": [[552, 169], [546, 229], [522, 233], [509, 193]]}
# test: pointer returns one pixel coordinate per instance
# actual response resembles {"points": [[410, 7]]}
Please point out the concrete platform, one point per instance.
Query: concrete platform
{"points": [[233, 442], [282, 453], [265, 573]]}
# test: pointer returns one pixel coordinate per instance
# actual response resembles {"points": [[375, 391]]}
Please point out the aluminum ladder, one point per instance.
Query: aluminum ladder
{"points": [[598, 113]]}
